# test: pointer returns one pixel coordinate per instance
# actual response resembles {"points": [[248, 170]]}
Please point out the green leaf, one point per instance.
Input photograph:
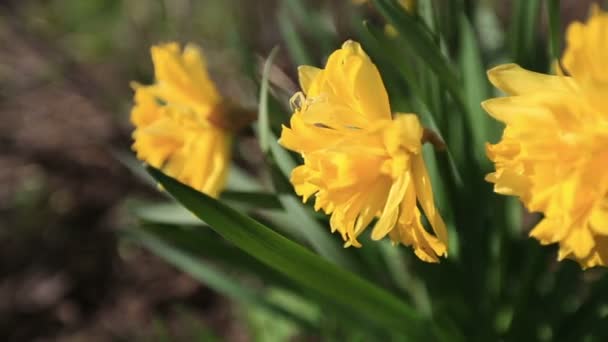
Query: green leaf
{"points": [[191, 265], [202, 272], [263, 118], [386, 49], [312, 272], [202, 242], [417, 38], [448, 20], [175, 214], [266, 325], [293, 41], [400, 273], [253, 199], [128, 160], [239, 180], [553, 11], [281, 157], [429, 121], [523, 32], [476, 89], [315, 234], [166, 213], [320, 27]]}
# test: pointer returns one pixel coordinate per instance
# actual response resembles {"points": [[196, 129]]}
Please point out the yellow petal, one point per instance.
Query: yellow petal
{"points": [[405, 131], [549, 231], [196, 66], [390, 213], [202, 161], [146, 109], [599, 254], [307, 75], [306, 137], [514, 80], [579, 242], [599, 219], [376, 198], [426, 247], [424, 193], [514, 110], [182, 78], [156, 142], [352, 81], [299, 178], [582, 57]]}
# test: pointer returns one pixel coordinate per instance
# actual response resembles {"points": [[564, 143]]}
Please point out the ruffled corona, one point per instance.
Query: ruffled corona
{"points": [[176, 120], [359, 163], [553, 153]]}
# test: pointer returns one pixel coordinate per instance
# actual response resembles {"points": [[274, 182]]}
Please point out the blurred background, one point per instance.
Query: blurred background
{"points": [[65, 183]]}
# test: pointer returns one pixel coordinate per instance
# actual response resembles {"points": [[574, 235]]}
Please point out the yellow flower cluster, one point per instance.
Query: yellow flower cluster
{"points": [[360, 163], [363, 165], [177, 120], [554, 151]]}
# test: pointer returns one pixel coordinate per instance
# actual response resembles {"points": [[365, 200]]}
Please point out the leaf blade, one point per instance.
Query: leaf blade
{"points": [[302, 266], [263, 116]]}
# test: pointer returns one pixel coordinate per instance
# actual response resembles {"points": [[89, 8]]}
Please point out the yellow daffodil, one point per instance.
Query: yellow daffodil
{"points": [[359, 162], [178, 120], [553, 154]]}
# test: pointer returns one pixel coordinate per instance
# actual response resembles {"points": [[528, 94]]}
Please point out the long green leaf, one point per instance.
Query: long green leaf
{"points": [[166, 213], [293, 41], [317, 236], [281, 157], [416, 37], [337, 285], [387, 49], [319, 29], [175, 214], [204, 273], [401, 274], [202, 242], [476, 89], [523, 32], [263, 117], [254, 199], [240, 180], [553, 11]]}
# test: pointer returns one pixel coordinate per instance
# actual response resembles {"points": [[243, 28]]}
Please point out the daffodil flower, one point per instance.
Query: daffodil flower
{"points": [[178, 120], [360, 163], [553, 154]]}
